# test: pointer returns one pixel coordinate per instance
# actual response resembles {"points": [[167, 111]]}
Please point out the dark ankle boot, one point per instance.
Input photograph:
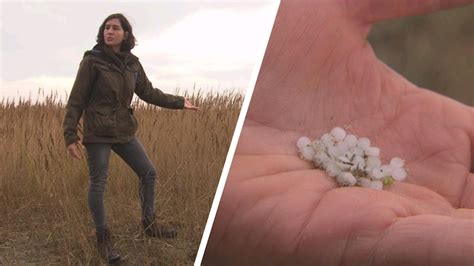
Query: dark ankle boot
{"points": [[154, 229], [105, 246]]}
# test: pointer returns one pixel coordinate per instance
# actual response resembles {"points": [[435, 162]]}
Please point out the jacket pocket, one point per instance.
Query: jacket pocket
{"points": [[128, 121], [134, 120], [104, 122]]}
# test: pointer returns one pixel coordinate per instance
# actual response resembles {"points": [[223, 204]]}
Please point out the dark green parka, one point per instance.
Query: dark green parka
{"points": [[103, 90]]}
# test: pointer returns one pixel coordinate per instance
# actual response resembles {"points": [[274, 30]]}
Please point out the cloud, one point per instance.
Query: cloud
{"points": [[207, 41], [207, 45]]}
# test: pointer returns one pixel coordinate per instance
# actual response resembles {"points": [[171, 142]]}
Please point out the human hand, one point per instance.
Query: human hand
{"points": [[318, 72], [190, 106], [75, 150]]}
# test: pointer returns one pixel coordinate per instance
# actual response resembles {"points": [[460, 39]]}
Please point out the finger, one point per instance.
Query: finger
{"points": [[75, 154], [377, 10], [193, 108], [73, 151], [415, 240], [70, 151], [467, 198], [79, 155], [79, 148]]}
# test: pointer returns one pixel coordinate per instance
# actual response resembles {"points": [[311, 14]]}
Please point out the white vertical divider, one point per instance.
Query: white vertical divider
{"points": [[236, 135]]}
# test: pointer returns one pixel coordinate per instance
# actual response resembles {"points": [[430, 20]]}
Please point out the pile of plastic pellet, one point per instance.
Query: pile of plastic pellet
{"points": [[351, 160]]}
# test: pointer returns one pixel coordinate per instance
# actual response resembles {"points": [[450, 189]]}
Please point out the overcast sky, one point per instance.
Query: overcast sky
{"points": [[213, 44]]}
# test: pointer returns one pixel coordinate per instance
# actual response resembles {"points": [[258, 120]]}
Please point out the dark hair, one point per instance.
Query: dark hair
{"points": [[129, 42]]}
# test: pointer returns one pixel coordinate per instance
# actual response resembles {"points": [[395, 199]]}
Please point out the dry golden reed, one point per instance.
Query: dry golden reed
{"points": [[43, 191]]}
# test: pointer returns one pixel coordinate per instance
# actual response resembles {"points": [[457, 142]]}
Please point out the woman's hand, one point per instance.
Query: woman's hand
{"points": [[318, 72], [188, 105], [75, 150]]}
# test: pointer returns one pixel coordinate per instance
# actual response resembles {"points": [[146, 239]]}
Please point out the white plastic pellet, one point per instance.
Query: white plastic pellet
{"points": [[373, 162], [377, 173], [346, 179], [333, 169], [327, 139], [358, 151], [307, 153], [399, 174], [321, 156], [350, 160], [363, 143], [332, 151], [338, 133], [343, 159], [387, 169], [372, 151], [397, 162], [350, 140], [318, 146], [302, 142], [341, 148], [376, 185], [364, 182], [358, 163]]}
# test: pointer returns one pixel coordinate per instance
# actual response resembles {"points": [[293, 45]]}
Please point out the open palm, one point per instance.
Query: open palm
{"points": [[320, 72]]}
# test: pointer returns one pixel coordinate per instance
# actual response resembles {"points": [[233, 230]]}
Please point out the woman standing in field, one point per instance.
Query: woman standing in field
{"points": [[108, 76]]}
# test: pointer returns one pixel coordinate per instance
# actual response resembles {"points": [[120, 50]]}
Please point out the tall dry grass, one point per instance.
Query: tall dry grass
{"points": [[43, 191]]}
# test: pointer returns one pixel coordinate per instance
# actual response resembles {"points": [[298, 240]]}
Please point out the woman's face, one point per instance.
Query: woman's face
{"points": [[113, 34]]}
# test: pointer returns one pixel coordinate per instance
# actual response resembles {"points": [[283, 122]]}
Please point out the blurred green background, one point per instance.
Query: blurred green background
{"points": [[434, 51]]}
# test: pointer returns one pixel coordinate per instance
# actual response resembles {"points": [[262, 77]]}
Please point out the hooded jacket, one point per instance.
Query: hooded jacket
{"points": [[103, 90]]}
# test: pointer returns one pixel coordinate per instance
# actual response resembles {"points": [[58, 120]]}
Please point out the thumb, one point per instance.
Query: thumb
{"points": [[378, 10], [79, 150]]}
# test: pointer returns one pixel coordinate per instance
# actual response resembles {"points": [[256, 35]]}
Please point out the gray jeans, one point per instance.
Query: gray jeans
{"points": [[133, 153]]}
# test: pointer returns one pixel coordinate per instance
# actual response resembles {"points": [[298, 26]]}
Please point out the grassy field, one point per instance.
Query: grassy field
{"points": [[43, 192]]}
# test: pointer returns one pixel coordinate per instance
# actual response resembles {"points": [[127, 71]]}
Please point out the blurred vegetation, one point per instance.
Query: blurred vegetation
{"points": [[434, 51]]}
